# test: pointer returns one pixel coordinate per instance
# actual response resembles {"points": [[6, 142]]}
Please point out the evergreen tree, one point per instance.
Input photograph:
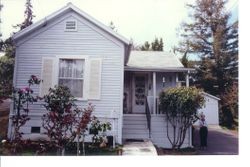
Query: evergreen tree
{"points": [[215, 40], [28, 15], [146, 46], [7, 61], [156, 45]]}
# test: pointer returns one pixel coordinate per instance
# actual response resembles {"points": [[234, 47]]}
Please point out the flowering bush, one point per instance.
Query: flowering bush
{"points": [[22, 98], [64, 121]]}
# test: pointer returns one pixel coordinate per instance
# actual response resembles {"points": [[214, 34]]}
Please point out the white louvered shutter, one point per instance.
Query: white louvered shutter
{"points": [[48, 74], [95, 79]]}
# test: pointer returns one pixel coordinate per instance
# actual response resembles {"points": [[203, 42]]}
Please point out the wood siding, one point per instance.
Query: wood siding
{"points": [[159, 132], [52, 41]]}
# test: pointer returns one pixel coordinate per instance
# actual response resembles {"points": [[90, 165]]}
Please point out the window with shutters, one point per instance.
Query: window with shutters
{"points": [[71, 74]]}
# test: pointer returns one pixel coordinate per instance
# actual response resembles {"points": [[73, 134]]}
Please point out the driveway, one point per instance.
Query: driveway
{"points": [[220, 141]]}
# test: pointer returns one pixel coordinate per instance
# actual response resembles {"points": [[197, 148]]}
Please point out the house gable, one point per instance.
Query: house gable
{"points": [[56, 27], [68, 8]]}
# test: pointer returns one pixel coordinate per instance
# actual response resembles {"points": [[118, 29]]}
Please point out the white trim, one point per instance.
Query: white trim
{"points": [[85, 73], [152, 69], [187, 79], [70, 30], [154, 92], [209, 95], [66, 8]]}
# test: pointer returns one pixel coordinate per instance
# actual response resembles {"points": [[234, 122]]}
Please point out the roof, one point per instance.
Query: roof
{"points": [[154, 61], [211, 96], [61, 11]]}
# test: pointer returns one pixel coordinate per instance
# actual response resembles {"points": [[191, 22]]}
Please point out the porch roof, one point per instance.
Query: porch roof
{"points": [[154, 61]]}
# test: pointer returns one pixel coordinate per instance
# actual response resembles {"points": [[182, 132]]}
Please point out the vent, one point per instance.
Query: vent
{"points": [[35, 129], [71, 25]]}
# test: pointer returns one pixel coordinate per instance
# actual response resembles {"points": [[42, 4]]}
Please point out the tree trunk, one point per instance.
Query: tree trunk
{"points": [[83, 145], [78, 145]]}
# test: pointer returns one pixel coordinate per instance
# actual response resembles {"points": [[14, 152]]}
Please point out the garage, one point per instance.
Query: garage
{"points": [[211, 109]]}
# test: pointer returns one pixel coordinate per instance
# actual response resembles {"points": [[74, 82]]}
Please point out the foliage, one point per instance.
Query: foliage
{"points": [[98, 130], [22, 98], [82, 121], [230, 106], [64, 122], [60, 119], [28, 15], [156, 45], [6, 74], [211, 36], [180, 106], [7, 61]]}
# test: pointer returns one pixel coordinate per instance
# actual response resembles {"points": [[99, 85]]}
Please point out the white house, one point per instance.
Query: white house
{"points": [[72, 48]]}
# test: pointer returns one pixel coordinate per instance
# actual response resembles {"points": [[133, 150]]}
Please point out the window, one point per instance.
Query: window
{"points": [[35, 129], [71, 25], [71, 74]]}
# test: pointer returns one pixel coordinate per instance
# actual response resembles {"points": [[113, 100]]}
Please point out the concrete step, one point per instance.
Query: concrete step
{"points": [[135, 136]]}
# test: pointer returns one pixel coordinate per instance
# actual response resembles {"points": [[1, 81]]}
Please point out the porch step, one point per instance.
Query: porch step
{"points": [[135, 127]]}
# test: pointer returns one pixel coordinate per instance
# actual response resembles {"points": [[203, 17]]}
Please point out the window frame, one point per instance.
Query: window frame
{"points": [[85, 72]]}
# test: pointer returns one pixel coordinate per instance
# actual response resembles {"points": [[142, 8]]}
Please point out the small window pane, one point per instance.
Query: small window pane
{"points": [[71, 68], [71, 73], [75, 86]]}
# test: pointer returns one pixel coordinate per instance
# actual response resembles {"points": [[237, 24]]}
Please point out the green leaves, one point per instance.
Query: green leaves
{"points": [[183, 100]]}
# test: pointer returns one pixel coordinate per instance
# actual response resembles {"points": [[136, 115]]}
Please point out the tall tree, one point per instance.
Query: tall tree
{"points": [[28, 15], [146, 46], [7, 61], [215, 41]]}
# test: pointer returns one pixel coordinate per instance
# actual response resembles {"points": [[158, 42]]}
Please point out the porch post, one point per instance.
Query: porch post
{"points": [[187, 79], [177, 80], [154, 92]]}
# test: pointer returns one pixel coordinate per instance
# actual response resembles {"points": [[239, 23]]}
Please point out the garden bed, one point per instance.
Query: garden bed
{"points": [[42, 148]]}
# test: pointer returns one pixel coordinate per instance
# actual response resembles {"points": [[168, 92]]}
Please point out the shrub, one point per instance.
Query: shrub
{"points": [[180, 106], [64, 121]]}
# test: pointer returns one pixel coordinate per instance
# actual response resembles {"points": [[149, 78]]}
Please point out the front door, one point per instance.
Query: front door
{"points": [[139, 93]]}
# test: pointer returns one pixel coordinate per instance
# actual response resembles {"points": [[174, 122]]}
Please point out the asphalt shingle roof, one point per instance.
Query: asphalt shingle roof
{"points": [[153, 59]]}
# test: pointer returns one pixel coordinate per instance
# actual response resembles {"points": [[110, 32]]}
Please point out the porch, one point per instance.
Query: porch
{"points": [[142, 117], [146, 74]]}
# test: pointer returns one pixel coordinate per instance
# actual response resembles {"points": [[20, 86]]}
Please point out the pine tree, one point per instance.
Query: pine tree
{"points": [[146, 46], [215, 41], [28, 15], [156, 45], [7, 61]]}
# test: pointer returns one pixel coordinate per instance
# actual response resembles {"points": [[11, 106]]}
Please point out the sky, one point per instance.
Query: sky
{"points": [[140, 20]]}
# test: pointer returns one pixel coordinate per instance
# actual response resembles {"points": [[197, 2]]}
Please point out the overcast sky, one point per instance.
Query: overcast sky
{"points": [[141, 20]]}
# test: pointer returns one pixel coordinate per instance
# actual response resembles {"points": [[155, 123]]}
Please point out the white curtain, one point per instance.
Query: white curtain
{"points": [[71, 73]]}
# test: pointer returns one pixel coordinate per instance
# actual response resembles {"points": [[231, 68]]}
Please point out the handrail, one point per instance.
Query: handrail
{"points": [[148, 115]]}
